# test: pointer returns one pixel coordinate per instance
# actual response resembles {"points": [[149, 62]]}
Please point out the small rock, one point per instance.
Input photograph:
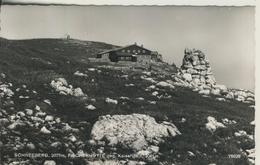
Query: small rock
{"points": [[49, 118], [58, 120], [40, 114], [29, 112], [49, 162], [38, 108], [213, 124], [112, 101], [183, 120], [91, 107], [44, 130], [30, 146], [154, 149], [72, 138], [56, 144], [191, 154], [155, 93], [47, 101], [21, 114]]}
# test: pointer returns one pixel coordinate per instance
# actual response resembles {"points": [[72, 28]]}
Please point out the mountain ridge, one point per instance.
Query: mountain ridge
{"points": [[50, 90]]}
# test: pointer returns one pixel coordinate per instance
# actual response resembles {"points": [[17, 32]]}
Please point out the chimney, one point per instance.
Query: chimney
{"points": [[135, 43], [142, 45]]}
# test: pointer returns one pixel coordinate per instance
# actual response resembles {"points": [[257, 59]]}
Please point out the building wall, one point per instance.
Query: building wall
{"points": [[144, 58], [133, 53], [105, 57], [135, 49], [125, 58]]}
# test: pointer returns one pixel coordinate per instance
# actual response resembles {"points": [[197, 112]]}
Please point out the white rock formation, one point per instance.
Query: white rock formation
{"points": [[196, 69], [5, 91], [60, 85], [112, 101], [44, 130], [134, 131], [196, 73], [213, 124], [90, 107], [49, 162], [78, 73], [165, 84]]}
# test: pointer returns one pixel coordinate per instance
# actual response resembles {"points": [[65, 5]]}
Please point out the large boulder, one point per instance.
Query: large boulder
{"points": [[134, 131]]}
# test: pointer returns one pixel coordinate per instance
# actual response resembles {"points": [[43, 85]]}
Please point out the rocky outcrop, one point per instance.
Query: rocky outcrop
{"points": [[213, 124], [136, 132], [196, 69], [197, 74], [61, 85]]}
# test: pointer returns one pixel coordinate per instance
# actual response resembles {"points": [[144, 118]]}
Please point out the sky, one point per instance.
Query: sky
{"points": [[225, 34]]}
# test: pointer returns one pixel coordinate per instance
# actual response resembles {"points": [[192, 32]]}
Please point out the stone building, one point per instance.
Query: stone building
{"points": [[130, 53]]}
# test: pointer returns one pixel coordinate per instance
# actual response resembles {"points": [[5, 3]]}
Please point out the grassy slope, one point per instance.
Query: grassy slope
{"points": [[37, 62]]}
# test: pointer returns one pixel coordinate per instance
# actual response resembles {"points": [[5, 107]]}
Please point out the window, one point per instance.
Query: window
{"points": [[128, 51], [139, 51], [134, 50], [144, 51], [123, 51]]}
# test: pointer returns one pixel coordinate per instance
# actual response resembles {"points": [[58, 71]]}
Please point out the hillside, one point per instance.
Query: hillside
{"points": [[54, 101]]}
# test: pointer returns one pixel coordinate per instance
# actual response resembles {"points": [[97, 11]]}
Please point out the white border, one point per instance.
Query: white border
{"points": [[141, 2], [257, 81]]}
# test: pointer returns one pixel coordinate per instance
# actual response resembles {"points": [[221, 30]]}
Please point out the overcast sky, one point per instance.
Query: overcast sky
{"points": [[225, 34]]}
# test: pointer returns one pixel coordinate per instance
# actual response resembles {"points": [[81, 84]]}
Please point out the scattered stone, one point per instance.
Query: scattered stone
{"points": [[152, 102], [191, 154], [227, 121], [148, 79], [213, 124], [40, 114], [44, 130], [155, 93], [78, 73], [20, 113], [91, 69], [91, 107], [220, 99], [49, 162], [30, 146], [61, 85], [124, 98], [129, 85], [29, 112], [140, 98], [251, 155], [183, 120], [56, 144], [78, 92], [47, 101], [204, 92], [38, 108], [243, 133], [112, 101], [15, 125], [72, 138], [187, 77], [49, 118], [165, 84]]}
